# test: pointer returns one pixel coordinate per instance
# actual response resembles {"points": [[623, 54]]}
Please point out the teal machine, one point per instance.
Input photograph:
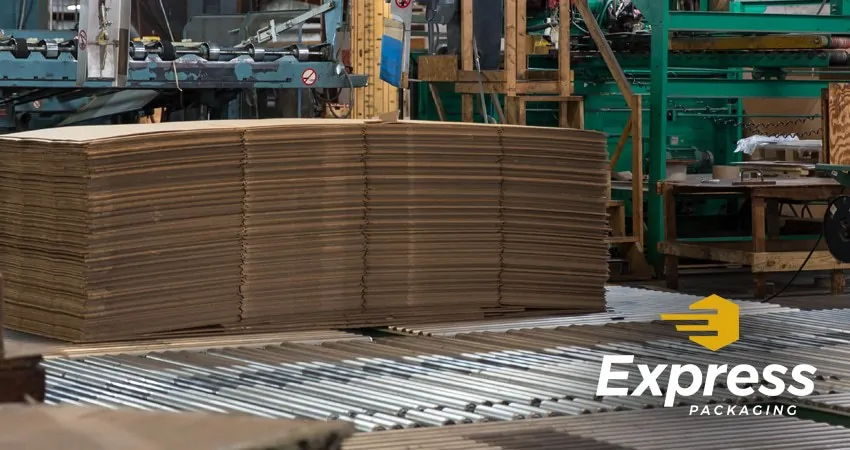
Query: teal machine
{"points": [[96, 70], [693, 67]]}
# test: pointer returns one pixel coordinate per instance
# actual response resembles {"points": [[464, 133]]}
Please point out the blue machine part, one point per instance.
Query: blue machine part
{"points": [[333, 20], [186, 72], [39, 70], [392, 53], [191, 72], [47, 60]]}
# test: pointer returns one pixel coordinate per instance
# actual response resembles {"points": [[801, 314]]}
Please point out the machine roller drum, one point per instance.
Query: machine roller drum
{"points": [[138, 51], [302, 52], [258, 54], [51, 49], [836, 228], [210, 51], [20, 49], [167, 52]]}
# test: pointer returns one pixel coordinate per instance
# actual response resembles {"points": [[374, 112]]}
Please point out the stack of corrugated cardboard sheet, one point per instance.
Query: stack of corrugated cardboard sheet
{"points": [[130, 231], [105, 231], [40, 427]]}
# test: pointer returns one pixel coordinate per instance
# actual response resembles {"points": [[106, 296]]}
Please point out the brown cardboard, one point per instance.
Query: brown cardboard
{"points": [[41, 427], [185, 229]]}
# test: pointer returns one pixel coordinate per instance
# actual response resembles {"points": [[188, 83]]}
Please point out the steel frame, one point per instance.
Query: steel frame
{"points": [[187, 72]]}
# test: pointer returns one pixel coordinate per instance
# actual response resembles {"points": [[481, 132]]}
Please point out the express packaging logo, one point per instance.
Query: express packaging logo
{"points": [[717, 329]]}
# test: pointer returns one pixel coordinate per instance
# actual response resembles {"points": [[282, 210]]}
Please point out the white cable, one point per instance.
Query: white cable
{"points": [[176, 77], [167, 24], [23, 14]]}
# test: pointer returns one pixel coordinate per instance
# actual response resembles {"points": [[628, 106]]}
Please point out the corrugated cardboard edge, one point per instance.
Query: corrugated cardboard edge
{"points": [[13, 350], [17, 349], [45, 427], [388, 117]]}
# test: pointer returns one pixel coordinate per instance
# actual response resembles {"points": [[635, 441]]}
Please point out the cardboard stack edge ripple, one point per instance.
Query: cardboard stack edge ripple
{"points": [[194, 228]]}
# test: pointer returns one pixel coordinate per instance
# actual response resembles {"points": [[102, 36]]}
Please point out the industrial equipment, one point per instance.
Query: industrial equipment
{"points": [[442, 374], [695, 69], [100, 71], [836, 220]]}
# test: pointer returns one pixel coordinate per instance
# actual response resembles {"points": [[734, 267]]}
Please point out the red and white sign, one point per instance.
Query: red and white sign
{"points": [[309, 77], [402, 3], [82, 40]]}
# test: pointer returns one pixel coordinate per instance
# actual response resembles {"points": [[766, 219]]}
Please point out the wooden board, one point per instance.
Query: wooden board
{"points": [[759, 262], [367, 27], [839, 123], [118, 232]]}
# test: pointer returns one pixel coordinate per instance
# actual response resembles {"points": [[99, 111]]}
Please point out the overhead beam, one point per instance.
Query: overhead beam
{"points": [[726, 22]]}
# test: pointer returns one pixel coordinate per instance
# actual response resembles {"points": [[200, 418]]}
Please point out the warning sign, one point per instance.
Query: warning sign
{"points": [[402, 3], [309, 77], [83, 40], [36, 104]]}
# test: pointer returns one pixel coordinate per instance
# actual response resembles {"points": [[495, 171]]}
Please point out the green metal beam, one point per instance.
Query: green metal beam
{"points": [[719, 88], [728, 22], [726, 88], [659, 20], [715, 60], [839, 7], [759, 6]]}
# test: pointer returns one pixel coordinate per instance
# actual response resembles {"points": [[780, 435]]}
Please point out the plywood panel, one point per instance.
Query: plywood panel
{"points": [[839, 123], [367, 27]]}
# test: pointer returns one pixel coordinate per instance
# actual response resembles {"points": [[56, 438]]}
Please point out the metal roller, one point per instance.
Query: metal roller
{"points": [[51, 49], [670, 429], [258, 54], [170, 51], [515, 373], [138, 51], [210, 51]]}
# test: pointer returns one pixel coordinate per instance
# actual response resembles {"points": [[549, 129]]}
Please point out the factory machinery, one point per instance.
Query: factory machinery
{"points": [[694, 67], [100, 70], [524, 383]]}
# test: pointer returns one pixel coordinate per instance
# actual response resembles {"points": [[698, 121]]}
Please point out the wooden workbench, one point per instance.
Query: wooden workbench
{"points": [[766, 253]]}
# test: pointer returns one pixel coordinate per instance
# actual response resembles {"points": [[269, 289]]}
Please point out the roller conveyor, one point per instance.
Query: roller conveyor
{"points": [[668, 429], [188, 65], [406, 382], [624, 304]]}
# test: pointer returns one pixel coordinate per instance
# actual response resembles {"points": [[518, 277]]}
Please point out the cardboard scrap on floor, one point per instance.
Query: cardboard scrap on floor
{"points": [[43, 427], [128, 231]]}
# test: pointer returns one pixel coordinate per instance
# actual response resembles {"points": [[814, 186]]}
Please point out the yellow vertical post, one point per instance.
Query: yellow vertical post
{"points": [[367, 27]]}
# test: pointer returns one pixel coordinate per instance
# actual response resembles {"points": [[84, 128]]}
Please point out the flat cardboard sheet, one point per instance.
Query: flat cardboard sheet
{"points": [[42, 427], [180, 229]]}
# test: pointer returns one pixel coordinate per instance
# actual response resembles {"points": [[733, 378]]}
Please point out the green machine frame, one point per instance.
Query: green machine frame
{"points": [[663, 20], [712, 80]]}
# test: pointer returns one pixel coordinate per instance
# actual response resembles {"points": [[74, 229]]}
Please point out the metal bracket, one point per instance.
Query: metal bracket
{"points": [[748, 182], [270, 32], [838, 172]]}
